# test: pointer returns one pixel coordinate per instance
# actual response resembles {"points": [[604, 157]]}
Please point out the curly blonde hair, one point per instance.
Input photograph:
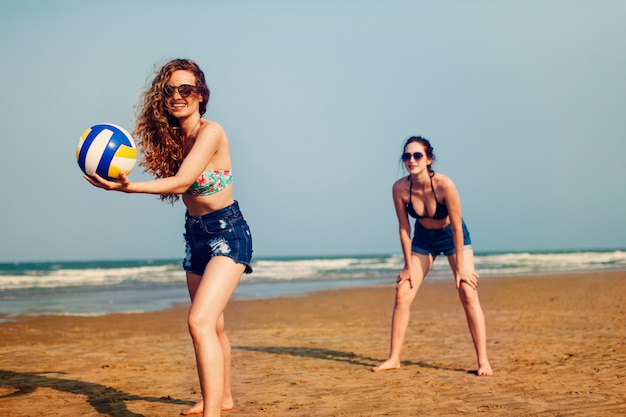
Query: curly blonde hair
{"points": [[158, 133]]}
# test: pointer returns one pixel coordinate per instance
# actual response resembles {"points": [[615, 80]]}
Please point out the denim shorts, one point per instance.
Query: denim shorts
{"points": [[436, 241], [223, 232]]}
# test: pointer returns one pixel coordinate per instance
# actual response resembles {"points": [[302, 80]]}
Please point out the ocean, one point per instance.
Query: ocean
{"points": [[90, 288]]}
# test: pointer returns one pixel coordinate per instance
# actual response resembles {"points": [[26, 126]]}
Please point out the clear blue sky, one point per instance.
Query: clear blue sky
{"points": [[524, 103]]}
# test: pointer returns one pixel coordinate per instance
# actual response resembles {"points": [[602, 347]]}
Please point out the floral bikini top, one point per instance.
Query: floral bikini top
{"points": [[210, 182]]}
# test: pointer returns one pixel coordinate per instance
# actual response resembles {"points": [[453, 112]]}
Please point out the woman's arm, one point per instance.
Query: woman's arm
{"points": [[208, 140], [464, 271], [404, 228]]}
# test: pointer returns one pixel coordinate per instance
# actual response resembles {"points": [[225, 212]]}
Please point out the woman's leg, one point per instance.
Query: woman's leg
{"points": [[475, 316], [209, 299], [227, 397], [402, 309]]}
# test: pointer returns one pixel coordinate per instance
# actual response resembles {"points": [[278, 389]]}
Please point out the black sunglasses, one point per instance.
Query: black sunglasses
{"points": [[406, 157], [184, 90]]}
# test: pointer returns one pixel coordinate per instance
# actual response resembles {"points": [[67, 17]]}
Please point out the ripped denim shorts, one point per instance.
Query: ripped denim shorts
{"points": [[223, 232]]}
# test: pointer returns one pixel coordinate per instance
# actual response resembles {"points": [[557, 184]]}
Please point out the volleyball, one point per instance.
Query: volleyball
{"points": [[107, 150]]}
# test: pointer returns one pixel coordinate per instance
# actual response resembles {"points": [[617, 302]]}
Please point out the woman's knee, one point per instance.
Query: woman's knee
{"points": [[194, 326], [404, 299], [200, 327], [467, 295]]}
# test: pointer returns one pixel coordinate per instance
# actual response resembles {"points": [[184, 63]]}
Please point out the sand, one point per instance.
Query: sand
{"points": [[557, 344]]}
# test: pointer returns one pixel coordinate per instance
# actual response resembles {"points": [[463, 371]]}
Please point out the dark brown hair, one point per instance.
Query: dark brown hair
{"points": [[158, 133]]}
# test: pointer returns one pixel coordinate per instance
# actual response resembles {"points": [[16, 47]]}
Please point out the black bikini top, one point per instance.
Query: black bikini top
{"points": [[441, 212]]}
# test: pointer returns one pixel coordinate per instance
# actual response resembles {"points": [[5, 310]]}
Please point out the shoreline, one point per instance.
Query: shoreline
{"points": [[556, 344], [95, 287], [125, 301]]}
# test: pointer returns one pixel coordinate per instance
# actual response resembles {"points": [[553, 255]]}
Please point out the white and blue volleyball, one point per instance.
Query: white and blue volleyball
{"points": [[107, 150]]}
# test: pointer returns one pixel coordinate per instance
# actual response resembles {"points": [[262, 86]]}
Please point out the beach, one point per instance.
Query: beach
{"points": [[557, 344]]}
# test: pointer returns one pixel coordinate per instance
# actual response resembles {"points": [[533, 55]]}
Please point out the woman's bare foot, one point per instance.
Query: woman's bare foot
{"points": [[197, 408], [388, 365], [484, 370], [227, 404]]}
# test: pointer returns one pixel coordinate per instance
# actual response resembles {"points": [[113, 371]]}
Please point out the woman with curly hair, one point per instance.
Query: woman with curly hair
{"points": [[433, 201], [190, 158]]}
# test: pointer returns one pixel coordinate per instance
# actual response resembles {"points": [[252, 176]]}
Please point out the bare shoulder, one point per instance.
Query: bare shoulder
{"points": [[442, 181], [444, 184], [401, 184], [209, 127], [400, 188], [212, 134]]}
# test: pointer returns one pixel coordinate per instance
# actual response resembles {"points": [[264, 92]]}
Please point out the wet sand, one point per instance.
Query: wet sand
{"points": [[557, 344]]}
